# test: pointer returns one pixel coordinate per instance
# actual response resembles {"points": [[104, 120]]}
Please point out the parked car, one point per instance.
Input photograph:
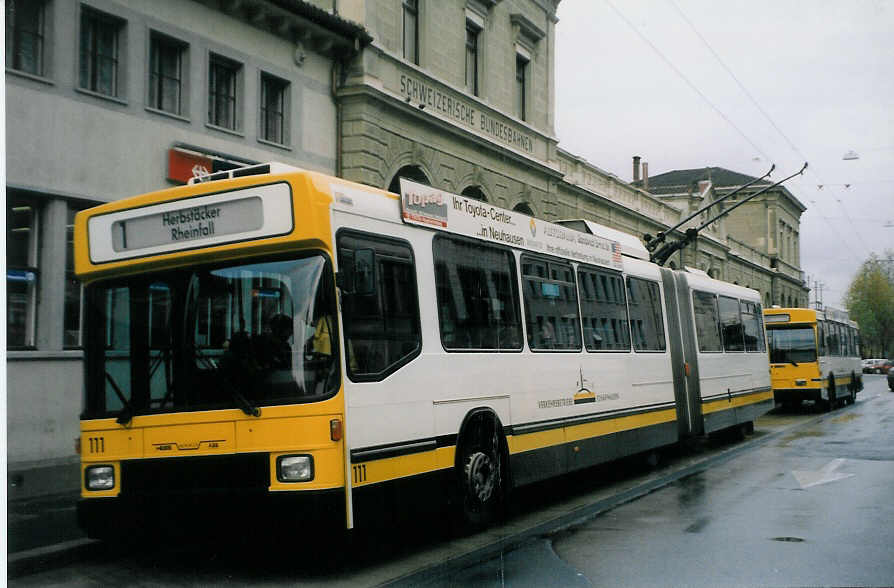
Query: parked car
{"points": [[876, 366], [891, 378]]}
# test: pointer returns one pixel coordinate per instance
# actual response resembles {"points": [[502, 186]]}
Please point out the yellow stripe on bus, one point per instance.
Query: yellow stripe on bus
{"points": [[383, 470], [727, 403]]}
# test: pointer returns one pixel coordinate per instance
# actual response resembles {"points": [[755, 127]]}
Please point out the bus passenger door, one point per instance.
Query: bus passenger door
{"points": [[685, 356]]}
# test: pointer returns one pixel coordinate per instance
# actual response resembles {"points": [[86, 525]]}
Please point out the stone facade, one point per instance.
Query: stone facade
{"points": [[81, 130], [421, 117]]}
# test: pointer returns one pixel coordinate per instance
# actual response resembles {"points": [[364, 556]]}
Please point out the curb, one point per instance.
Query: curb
{"points": [[40, 558]]}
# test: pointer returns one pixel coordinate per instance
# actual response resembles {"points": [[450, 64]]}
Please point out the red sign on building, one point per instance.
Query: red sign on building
{"points": [[183, 165]]}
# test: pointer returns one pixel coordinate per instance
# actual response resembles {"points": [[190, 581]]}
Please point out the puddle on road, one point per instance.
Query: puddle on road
{"points": [[799, 435], [845, 418]]}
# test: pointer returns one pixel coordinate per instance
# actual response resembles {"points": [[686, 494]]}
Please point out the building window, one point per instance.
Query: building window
{"points": [[73, 290], [166, 74], [25, 36], [411, 30], [472, 33], [222, 92], [274, 94], [100, 53], [21, 273], [474, 192], [521, 86], [411, 172]]}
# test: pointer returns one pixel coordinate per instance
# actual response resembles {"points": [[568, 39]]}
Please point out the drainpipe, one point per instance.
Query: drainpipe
{"points": [[333, 86]]}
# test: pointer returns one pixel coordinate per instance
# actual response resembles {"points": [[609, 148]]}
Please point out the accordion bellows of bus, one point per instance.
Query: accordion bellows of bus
{"points": [[328, 350]]}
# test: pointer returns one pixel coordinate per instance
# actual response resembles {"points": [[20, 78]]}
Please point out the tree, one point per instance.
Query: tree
{"points": [[870, 302]]}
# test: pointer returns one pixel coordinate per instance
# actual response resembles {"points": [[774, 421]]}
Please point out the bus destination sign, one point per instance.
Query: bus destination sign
{"points": [[240, 215], [426, 206]]}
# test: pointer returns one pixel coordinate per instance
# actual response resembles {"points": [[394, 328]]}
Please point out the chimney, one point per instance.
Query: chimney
{"points": [[645, 176], [636, 159]]}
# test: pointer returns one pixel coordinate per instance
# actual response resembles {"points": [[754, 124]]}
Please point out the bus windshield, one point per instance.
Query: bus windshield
{"points": [[233, 336], [791, 344]]}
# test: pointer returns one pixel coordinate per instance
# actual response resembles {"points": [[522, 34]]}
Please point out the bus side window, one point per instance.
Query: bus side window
{"points": [[707, 325], [731, 324], [821, 336], [381, 312], [477, 295], [551, 310], [603, 310], [753, 325], [646, 315]]}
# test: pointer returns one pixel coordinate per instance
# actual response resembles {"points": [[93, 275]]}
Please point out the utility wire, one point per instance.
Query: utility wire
{"points": [[685, 79], [770, 120]]}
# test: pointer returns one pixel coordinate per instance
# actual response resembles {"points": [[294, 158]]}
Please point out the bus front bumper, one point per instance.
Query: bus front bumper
{"points": [[105, 518], [797, 394]]}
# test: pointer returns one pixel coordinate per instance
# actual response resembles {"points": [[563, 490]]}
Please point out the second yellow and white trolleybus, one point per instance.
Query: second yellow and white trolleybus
{"points": [[299, 345], [814, 355]]}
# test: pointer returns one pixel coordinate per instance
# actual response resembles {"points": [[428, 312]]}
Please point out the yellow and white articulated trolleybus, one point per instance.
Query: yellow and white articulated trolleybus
{"points": [[814, 355], [298, 345]]}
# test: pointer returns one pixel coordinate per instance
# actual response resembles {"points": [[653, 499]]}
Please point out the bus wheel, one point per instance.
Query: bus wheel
{"points": [[830, 404], [481, 473]]}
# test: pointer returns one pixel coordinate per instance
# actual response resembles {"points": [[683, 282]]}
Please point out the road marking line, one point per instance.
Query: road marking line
{"points": [[825, 475]]}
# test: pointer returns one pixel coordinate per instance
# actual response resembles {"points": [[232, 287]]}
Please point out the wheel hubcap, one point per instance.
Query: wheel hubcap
{"points": [[481, 478]]}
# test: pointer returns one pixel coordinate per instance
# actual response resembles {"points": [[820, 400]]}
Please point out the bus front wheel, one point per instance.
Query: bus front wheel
{"points": [[481, 472]]}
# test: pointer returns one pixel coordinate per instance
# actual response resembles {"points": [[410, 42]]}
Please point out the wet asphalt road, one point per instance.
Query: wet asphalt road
{"points": [[811, 506], [814, 507]]}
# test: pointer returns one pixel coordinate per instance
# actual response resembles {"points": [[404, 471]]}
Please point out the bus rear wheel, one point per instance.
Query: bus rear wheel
{"points": [[481, 473], [852, 390], [833, 400]]}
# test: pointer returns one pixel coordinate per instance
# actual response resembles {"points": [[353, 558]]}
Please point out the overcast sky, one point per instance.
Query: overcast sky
{"points": [[740, 85]]}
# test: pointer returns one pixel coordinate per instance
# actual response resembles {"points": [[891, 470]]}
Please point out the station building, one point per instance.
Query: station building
{"points": [[111, 98]]}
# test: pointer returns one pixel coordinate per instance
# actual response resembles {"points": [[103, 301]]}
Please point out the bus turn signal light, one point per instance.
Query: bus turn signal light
{"points": [[335, 429]]}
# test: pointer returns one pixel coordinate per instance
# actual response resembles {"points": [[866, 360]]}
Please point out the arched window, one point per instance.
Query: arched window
{"points": [[411, 172], [475, 193], [524, 208]]}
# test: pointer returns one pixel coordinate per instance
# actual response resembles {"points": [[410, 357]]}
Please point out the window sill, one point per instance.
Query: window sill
{"points": [[275, 144], [115, 99], [234, 132], [168, 114], [34, 354], [30, 76]]}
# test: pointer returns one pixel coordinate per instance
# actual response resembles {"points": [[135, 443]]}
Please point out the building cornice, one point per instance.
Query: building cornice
{"points": [[407, 109]]}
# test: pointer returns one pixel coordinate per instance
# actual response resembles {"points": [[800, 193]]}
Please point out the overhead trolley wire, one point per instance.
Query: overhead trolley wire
{"points": [[767, 116]]}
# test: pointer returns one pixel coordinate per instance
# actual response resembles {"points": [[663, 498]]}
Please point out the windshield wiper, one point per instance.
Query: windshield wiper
{"points": [[244, 403], [126, 414], [793, 362]]}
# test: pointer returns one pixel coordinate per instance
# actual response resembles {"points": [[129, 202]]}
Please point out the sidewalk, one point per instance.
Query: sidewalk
{"points": [[41, 519]]}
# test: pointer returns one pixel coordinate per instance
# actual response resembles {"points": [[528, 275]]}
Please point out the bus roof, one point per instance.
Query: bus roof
{"points": [[808, 315]]}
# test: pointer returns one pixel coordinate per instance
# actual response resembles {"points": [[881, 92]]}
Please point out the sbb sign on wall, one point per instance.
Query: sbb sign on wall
{"points": [[184, 164]]}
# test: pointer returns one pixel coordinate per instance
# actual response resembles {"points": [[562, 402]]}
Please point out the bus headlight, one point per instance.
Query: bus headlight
{"points": [[100, 477], [295, 468]]}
